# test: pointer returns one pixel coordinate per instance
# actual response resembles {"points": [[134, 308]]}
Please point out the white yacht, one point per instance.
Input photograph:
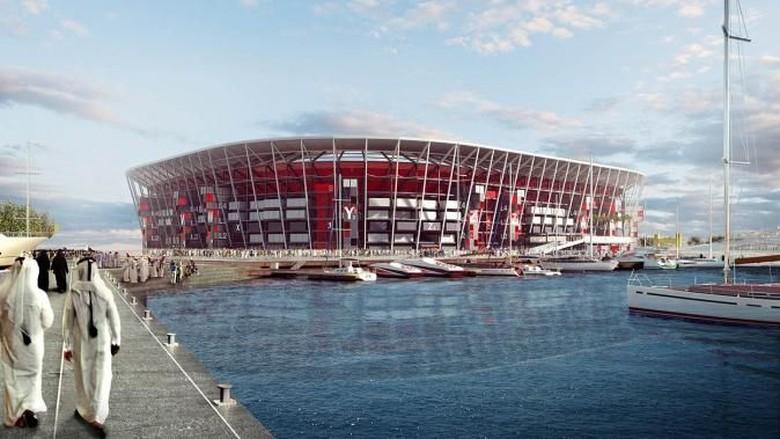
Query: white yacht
{"points": [[535, 270], [498, 271], [729, 302], [347, 272], [700, 263], [578, 263], [433, 267], [396, 270], [13, 247], [659, 262]]}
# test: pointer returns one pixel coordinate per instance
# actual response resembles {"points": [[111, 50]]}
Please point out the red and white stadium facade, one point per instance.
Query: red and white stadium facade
{"points": [[388, 193]]}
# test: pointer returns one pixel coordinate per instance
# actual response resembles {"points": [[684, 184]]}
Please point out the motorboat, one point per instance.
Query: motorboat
{"points": [[498, 271], [699, 263], [656, 262], [536, 270], [433, 267], [630, 262], [396, 270], [13, 247], [345, 273], [578, 263]]}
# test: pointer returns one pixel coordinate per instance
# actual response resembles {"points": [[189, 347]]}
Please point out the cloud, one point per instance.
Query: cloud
{"points": [[35, 7], [354, 123], [56, 93], [598, 145], [74, 27], [770, 60], [511, 117], [249, 3]]}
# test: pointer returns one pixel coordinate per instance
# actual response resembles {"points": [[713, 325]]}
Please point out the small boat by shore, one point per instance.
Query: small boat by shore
{"points": [[700, 263], [630, 262], [578, 263], [346, 273], [396, 270], [498, 271], [655, 262], [433, 267], [535, 270]]}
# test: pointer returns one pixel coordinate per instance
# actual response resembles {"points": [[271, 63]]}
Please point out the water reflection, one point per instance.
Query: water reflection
{"points": [[476, 356]]}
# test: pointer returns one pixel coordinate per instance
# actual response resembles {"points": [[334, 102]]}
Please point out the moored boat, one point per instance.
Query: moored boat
{"points": [[729, 302], [578, 263], [498, 271], [433, 267], [346, 273], [535, 270], [396, 270]]}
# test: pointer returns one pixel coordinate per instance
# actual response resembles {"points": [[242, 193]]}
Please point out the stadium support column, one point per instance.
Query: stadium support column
{"points": [[131, 185], [306, 194], [206, 243], [489, 240], [395, 194], [559, 204], [465, 217], [484, 193], [235, 197], [573, 196], [422, 199], [334, 228], [512, 203], [603, 195], [365, 194], [455, 157], [217, 197], [538, 194], [525, 193], [612, 199], [549, 196], [279, 194], [251, 173]]}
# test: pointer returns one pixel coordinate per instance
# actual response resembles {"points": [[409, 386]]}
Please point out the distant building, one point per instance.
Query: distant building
{"points": [[384, 193]]}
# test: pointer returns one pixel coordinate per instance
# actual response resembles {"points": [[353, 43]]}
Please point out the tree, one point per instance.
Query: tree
{"points": [[12, 221], [695, 240]]}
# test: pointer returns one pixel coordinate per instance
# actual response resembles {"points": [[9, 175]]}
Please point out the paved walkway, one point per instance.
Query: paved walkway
{"points": [[150, 396]]}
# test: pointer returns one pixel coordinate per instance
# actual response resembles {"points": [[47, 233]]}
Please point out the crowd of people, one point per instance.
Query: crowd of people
{"points": [[91, 336], [141, 269]]}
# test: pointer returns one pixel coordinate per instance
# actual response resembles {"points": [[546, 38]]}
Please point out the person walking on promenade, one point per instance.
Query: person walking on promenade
{"points": [[60, 268], [44, 265], [92, 334], [25, 313]]}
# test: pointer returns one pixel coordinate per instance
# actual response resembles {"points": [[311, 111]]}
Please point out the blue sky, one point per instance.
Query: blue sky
{"points": [[100, 86]]}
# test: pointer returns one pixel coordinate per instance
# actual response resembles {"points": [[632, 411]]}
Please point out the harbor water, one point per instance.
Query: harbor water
{"points": [[479, 357]]}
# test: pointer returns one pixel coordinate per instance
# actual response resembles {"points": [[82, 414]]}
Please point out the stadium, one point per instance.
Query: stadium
{"points": [[396, 194]]}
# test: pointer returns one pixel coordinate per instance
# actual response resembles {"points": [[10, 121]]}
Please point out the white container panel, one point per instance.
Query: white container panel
{"points": [[378, 202]]}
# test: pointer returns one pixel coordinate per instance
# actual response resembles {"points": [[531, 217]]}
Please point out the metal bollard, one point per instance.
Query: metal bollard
{"points": [[224, 396], [124, 292], [133, 300], [147, 315], [171, 340]]}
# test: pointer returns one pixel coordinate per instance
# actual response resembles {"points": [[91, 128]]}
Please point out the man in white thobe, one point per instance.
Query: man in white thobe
{"points": [[133, 271], [91, 330], [25, 312], [143, 270]]}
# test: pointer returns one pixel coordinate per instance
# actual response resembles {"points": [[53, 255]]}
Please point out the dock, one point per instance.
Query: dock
{"points": [[153, 394]]}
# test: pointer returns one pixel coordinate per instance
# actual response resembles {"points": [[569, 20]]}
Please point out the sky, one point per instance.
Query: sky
{"points": [[96, 87]]}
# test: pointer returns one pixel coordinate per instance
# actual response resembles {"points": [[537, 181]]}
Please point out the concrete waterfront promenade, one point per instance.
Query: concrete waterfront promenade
{"points": [[150, 396]]}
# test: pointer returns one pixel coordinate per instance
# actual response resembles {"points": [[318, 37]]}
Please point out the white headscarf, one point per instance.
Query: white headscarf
{"points": [[25, 283], [86, 277]]}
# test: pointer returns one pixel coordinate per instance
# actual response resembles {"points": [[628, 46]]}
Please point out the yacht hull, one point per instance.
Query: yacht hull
{"points": [[12, 248], [720, 307]]}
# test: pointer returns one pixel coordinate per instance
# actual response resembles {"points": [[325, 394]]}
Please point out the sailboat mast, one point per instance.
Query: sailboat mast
{"points": [[677, 237], [710, 255], [27, 215], [726, 143]]}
